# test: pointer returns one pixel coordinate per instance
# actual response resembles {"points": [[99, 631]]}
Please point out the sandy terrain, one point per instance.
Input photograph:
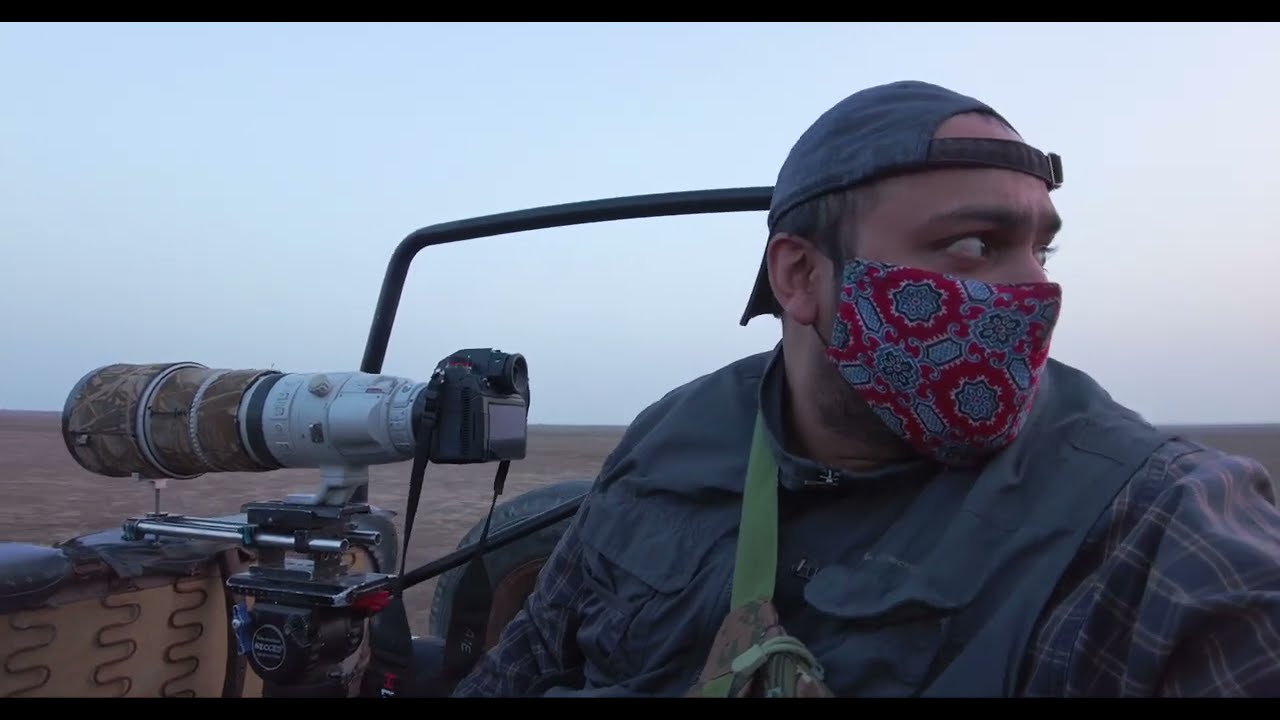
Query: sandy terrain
{"points": [[48, 497]]}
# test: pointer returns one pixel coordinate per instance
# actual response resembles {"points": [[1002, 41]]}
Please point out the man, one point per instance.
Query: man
{"points": [[928, 505]]}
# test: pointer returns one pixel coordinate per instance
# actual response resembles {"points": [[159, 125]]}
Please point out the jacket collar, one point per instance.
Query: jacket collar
{"points": [[798, 473]]}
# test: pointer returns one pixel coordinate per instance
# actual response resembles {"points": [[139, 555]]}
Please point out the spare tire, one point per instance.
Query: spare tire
{"points": [[513, 569]]}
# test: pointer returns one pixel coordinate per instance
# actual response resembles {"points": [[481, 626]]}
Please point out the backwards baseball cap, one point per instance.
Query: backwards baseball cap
{"points": [[882, 131]]}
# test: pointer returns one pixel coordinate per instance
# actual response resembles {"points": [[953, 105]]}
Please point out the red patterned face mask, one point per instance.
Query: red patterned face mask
{"points": [[949, 365]]}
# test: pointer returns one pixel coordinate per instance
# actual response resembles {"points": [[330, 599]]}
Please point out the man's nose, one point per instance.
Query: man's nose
{"points": [[1021, 268]]}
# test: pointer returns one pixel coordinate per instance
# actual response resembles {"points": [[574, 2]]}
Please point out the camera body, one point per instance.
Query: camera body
{"points": [[479, 399]]}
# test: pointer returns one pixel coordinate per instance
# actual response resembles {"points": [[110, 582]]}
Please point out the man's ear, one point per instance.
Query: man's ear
{"points": [[794, 275]]}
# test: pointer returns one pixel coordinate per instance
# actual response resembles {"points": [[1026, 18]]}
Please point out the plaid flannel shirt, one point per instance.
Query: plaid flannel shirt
{"points": [[1176, 592]]}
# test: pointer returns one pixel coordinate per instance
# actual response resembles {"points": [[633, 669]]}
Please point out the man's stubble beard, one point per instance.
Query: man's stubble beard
{"points": [[844, 413], [864, 438]]}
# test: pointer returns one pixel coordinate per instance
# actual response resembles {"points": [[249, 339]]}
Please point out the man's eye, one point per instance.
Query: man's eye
{"points": [[1043, 254], [969, 247]]}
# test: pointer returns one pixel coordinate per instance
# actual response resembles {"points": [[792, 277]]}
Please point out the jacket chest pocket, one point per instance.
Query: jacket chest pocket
{"points": [[879, 629], [646, 615]]}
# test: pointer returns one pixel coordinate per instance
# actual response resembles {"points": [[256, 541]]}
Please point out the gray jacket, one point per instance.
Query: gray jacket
{"points": [[908, 581]]}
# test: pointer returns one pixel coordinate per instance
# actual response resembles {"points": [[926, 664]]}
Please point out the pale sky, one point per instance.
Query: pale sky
{"points": [[230, 195]]}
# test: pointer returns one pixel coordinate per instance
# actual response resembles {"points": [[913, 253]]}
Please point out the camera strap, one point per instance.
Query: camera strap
{"points": [[421, 455], [473, 600], [391, 637]]}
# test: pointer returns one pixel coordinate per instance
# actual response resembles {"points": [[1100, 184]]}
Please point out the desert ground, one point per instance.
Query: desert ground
{"points": [[49, 498]]}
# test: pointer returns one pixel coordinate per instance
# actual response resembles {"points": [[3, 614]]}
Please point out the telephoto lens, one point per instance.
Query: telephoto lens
{"points": [[182, 420]]}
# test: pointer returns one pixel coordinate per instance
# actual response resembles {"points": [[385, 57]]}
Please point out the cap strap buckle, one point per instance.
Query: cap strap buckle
{"points": [[991, 152]]}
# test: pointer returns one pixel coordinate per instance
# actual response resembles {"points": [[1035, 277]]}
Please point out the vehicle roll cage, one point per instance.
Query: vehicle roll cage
{"points": [[692, 202]]}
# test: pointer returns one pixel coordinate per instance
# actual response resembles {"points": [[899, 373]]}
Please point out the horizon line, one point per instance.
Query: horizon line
{"points": [[565, 425]]}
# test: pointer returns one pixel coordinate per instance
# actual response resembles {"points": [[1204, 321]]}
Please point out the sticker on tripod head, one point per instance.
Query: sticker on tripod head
{"points": [[268, 647]]}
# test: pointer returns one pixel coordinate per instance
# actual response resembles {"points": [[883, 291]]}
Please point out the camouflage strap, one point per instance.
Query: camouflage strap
{"points": [[751, 655]]}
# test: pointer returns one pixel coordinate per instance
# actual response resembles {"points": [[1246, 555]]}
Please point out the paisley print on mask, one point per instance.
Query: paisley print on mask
{"points": [[949, 365]]}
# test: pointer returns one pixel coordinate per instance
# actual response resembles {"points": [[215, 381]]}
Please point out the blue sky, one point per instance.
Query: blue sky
{"points": [[230, 194]]}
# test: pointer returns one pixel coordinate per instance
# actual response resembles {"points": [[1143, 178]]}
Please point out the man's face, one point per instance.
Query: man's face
{"points": [[985, 224]]}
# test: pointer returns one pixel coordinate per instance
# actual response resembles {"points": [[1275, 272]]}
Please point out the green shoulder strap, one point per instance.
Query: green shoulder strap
{"points": [[756, 565]]}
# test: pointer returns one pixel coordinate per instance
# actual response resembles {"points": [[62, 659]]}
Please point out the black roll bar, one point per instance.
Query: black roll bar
{"points": [[691, 202]]}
